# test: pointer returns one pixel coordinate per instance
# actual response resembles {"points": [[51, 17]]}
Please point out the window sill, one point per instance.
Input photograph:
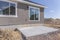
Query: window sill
{"points": [[34, 20], [8, 16]]}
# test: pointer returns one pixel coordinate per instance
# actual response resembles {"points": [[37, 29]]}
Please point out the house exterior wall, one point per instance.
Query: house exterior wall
{"points": [[23, 16]]}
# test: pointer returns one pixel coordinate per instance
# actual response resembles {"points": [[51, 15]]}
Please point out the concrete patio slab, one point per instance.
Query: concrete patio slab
{"points": [[39, 33]]}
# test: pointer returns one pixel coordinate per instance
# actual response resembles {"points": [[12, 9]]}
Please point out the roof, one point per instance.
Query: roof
{"points": [[31, 3], [33, 31], [35, 3]]}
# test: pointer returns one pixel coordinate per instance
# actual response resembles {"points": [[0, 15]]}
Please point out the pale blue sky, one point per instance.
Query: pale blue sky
{"points": [[53, 10]]}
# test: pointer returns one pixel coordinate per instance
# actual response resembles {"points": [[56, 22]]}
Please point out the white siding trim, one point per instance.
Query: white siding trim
{"points": [[29, 3]]}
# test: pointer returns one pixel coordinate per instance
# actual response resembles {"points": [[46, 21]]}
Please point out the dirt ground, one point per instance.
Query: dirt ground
{"points": [[52, 25]]}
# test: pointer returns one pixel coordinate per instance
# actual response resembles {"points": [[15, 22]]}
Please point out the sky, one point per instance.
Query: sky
{"points": [[53, 8]]}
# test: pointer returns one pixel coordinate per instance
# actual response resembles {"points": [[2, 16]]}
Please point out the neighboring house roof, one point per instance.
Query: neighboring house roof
{"points": [[31, 3], [3, 8]]}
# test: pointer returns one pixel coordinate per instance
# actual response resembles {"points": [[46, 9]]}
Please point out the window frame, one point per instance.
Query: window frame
{"points": [[9, 9], [34, 13]]}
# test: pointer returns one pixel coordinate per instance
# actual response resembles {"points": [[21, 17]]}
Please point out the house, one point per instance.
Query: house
{"points": [[16, 12]]}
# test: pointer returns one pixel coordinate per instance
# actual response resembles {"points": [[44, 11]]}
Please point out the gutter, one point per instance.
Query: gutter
{"points": [[29, 3]]}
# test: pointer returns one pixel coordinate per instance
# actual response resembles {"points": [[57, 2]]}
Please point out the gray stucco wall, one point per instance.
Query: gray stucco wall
{"points": [[23, 16]]}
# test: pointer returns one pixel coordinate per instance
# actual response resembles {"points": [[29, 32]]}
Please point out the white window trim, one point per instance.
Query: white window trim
{"points": [[34, 8], [15, 10]]}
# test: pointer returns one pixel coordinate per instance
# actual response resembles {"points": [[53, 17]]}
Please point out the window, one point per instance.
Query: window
{"points": [[34, 13], [7, 8]]}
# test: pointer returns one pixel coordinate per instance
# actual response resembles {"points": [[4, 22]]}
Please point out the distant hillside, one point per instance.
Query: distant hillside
{"points": [[51, 21]]}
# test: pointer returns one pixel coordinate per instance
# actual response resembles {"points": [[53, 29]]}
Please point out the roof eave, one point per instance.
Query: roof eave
{"points": [[29, 3]]}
